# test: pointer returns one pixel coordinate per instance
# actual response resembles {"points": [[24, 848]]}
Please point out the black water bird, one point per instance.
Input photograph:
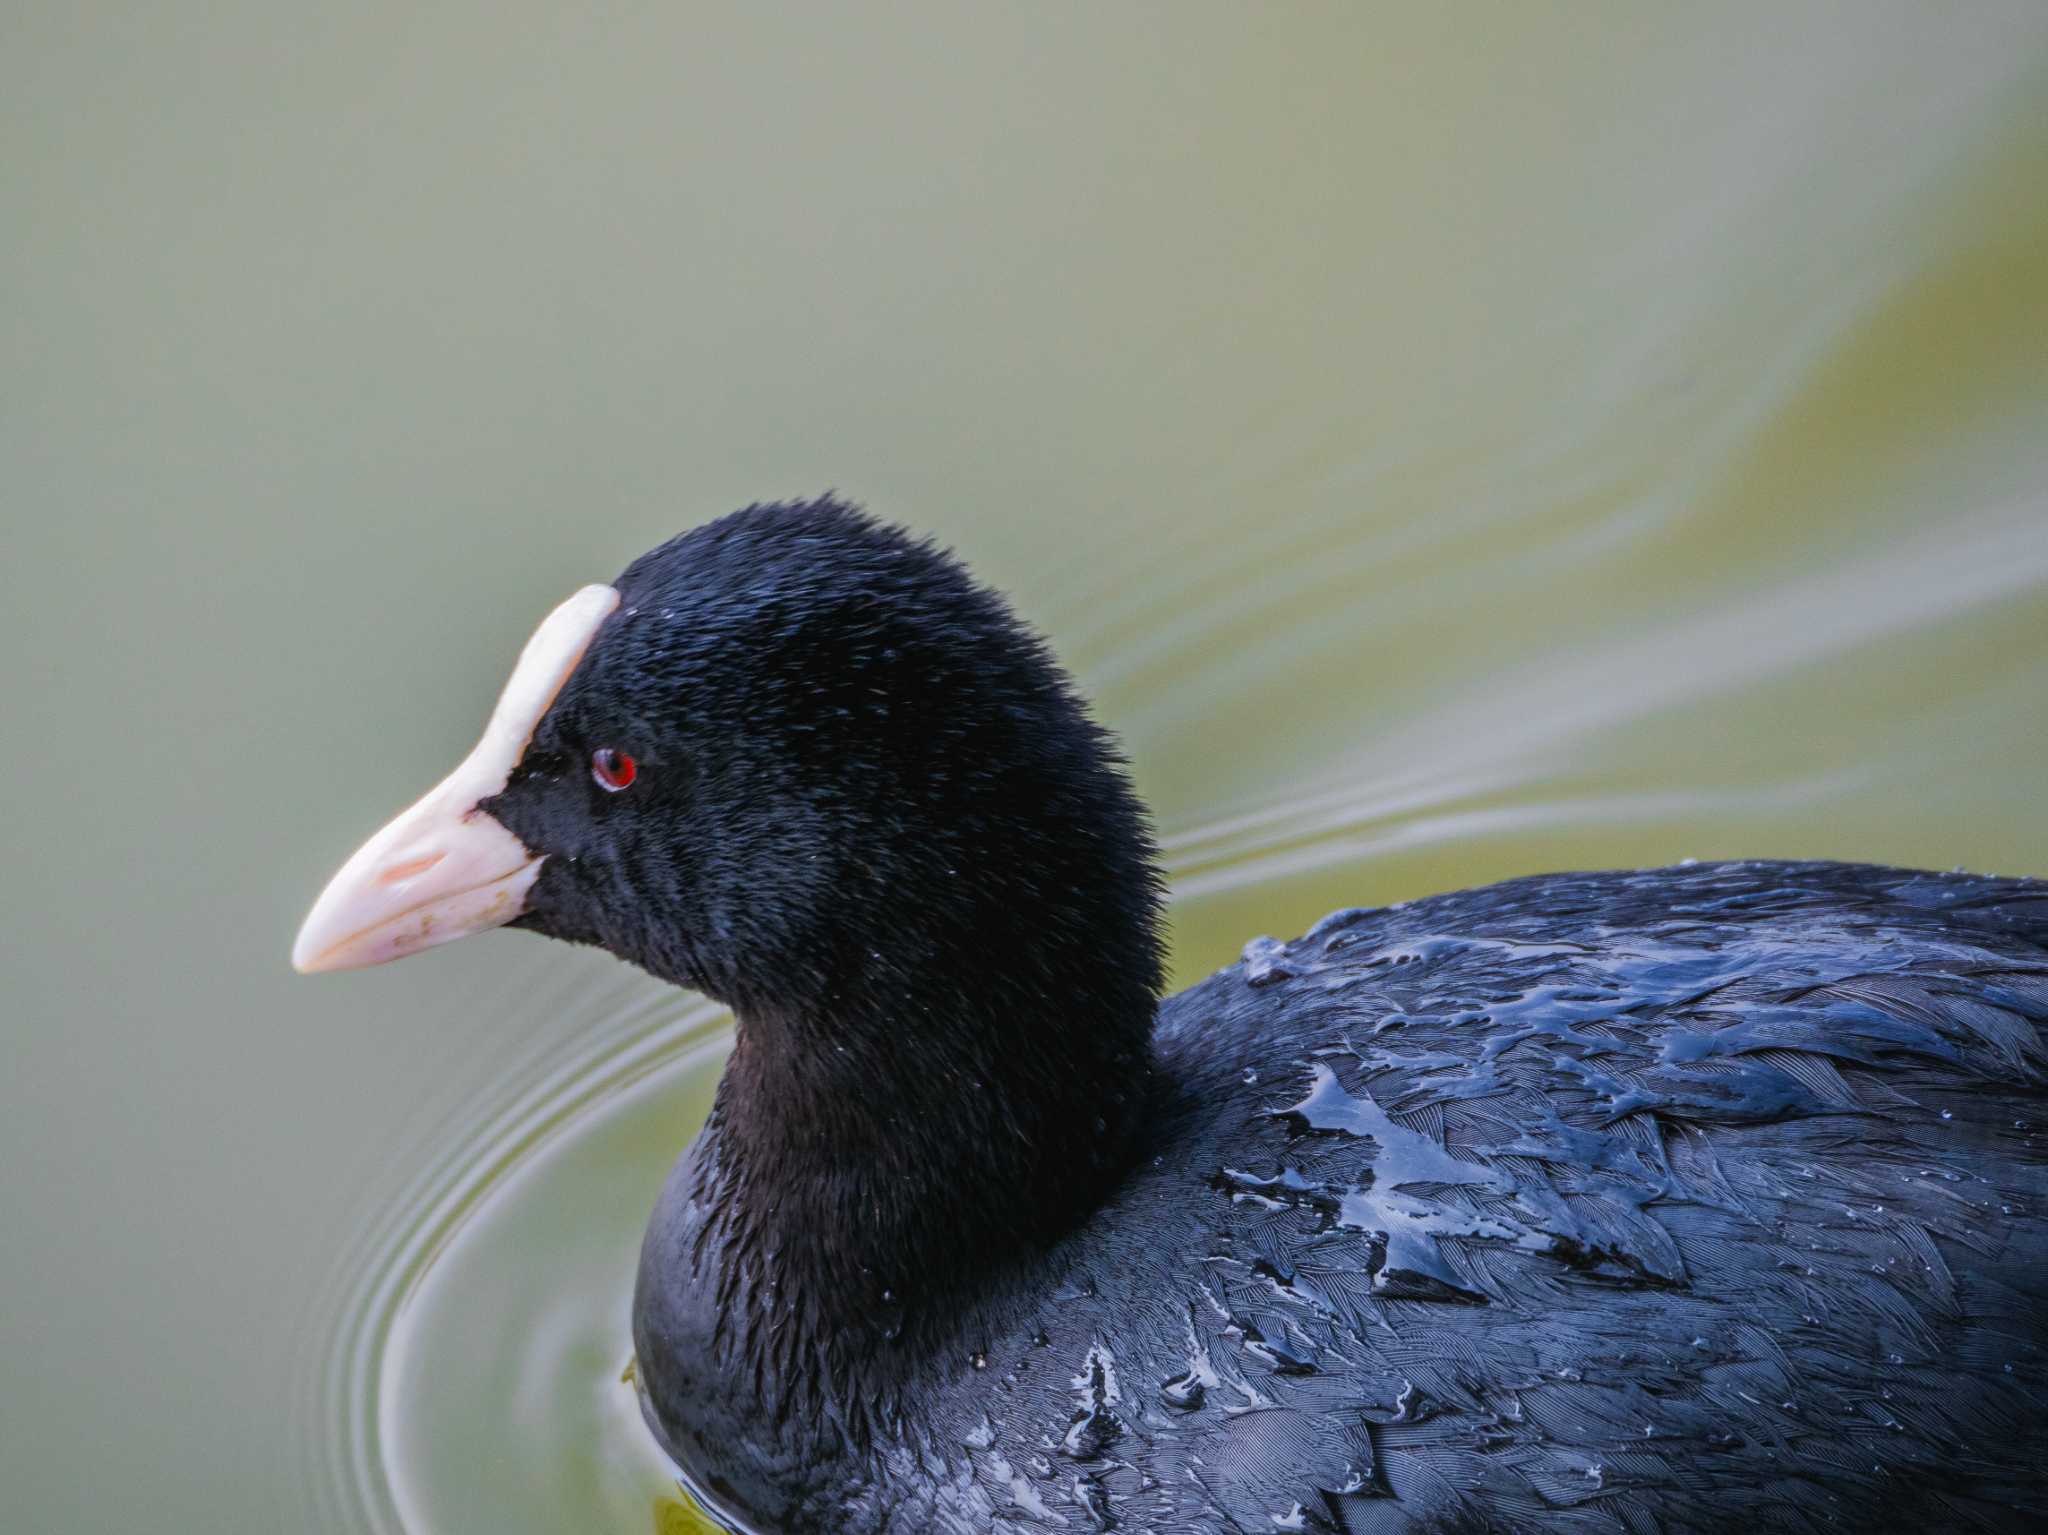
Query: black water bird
{"points": [[1682, 1199]]}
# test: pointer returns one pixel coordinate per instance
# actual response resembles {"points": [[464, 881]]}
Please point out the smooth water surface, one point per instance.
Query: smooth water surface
{"points": [[1448, 443]]}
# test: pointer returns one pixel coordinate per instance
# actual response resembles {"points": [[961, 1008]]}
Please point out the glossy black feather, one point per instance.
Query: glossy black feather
{"points": [[1668, 1200]]}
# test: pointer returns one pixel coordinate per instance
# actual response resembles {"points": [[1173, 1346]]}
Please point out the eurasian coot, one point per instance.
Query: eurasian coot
{"points": [[1679, 1199]]}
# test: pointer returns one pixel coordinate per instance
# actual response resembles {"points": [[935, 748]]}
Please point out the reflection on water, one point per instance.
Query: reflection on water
{"points": [[1444, 453]]}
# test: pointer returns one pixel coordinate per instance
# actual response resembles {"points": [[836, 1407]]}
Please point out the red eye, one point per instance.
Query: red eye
{"points": [[612, 768]]}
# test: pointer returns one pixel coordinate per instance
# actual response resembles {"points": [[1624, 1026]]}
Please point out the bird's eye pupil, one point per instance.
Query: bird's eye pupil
{"points": [[612, 768]]}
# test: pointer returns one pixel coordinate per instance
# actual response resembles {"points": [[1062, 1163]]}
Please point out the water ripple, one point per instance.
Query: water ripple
{"points": [[340, 1375]]}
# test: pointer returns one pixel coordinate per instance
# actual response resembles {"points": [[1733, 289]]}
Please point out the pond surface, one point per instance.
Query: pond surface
{"points": [[1444, 450]]}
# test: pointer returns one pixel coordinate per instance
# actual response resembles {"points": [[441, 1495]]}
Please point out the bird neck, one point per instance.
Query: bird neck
{"points": [[881, 1162]]}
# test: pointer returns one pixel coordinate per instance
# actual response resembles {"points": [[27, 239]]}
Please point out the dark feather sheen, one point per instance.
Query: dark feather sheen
{"points": [[1675, 1200]]}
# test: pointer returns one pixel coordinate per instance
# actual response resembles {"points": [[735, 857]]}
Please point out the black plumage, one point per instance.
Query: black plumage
{"points": [[1632, 1201]]}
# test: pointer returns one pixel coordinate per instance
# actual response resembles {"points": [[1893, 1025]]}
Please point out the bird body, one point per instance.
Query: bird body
{"points": [[1652, 1201], [1658, 1200]]}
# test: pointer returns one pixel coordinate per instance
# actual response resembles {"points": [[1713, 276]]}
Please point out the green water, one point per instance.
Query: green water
{"points": [[1447, 442]]}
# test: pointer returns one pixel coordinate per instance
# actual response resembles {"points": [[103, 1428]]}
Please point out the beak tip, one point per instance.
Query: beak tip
{"points": [[352, 925], [309, 955]]}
